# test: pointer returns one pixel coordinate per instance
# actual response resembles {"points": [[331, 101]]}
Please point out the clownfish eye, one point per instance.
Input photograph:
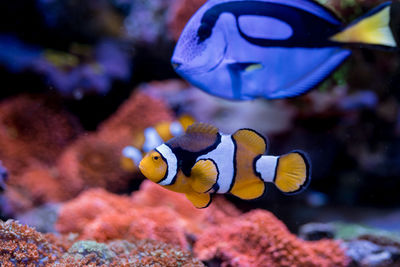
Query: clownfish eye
{"points": [[156, 157]]}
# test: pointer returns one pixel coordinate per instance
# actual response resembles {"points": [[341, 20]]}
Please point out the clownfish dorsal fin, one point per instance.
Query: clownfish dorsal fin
{"points": [[253, 140], [202, 128], [204, 175], [199, 200], [254, 189]]}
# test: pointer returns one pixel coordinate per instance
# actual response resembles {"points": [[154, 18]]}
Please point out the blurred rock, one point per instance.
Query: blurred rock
{"points": [[316, 231]]}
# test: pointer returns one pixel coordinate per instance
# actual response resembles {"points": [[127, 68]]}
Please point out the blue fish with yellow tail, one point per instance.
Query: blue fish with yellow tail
{"points": [[203, 161], [246, 49]]}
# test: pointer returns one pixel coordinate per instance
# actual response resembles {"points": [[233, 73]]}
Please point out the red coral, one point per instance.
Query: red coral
{"points": [[152, 253], [33, 128], [137, 113], [195, 220], [21, 245], [36, 186], [181, 13], [153, 213], [102, 216], [123, 253], [84, 209], [93, 162], [258, 238]]}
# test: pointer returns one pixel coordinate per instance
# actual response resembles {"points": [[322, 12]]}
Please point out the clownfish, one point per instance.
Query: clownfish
{"points": [[203, 161], [152, 137], [246, 49]]}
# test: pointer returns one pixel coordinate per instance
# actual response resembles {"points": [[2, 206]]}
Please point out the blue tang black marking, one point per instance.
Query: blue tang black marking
{"points": [[245, 49]]}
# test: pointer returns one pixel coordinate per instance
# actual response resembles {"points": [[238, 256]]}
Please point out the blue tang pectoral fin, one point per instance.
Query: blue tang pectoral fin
{"points": [[235, 71], [309, 75]]}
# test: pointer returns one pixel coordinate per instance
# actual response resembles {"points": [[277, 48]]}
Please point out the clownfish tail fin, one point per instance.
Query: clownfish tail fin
{"points": [[293, 172], [379, 27]]}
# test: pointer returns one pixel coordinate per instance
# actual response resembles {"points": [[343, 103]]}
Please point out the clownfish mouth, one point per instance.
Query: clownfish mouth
{"points": [[141, 168]]}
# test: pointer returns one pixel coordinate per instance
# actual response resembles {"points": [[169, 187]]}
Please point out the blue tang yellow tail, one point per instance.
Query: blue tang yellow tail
{"points": [[246, 49]]}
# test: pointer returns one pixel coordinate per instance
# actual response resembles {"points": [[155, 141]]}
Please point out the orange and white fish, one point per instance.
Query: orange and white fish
{"points": [[152, 137], [203, 161]]}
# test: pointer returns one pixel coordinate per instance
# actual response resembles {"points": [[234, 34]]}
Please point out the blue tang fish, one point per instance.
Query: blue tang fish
{"points": [[246, 49]]}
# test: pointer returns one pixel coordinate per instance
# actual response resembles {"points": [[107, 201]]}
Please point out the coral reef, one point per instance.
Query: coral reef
{"points": [[152, 212], [21, 245], [36, 186], [258, 238], [137, 113], [102, 216], [33, 128], [195, 220], [124, 253], [92, 162]]}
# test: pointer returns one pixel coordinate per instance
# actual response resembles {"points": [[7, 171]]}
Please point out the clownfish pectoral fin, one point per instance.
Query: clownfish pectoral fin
{"points": [[253, 140], [254, 189], [292, 172], [199, 200], [203, 176], [375, 28]]}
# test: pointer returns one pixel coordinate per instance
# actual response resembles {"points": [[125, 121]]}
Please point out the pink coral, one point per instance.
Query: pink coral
{"points": [[36, 186], [258, 238], [21, 245], [152, 212], [137, 113], [97, 214], [195, 220], [93, 162], [33, 128]]}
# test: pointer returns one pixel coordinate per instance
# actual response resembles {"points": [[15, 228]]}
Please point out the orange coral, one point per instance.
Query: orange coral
{"points": [[123, 253], [153, 212], [33, 127], [36, 186], [195, 220], [137, 113], [93, 162], [97, 214], [181, 13], [84, 209], [258, 238], [21, 245]]}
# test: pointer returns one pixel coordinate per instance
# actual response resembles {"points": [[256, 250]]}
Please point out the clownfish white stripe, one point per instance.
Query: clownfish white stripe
{"points": [[176, 128], [152, 139], [172, 163], [266, 167], [223, 156], [132, 153]]}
